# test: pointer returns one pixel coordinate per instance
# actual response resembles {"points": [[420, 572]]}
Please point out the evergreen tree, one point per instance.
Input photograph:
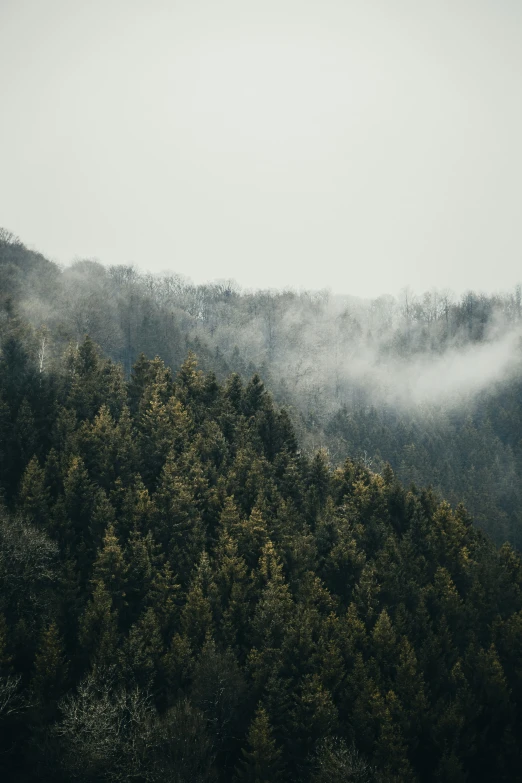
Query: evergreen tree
{"points": [[50, 668], [34, 495], [143, 650], [261, 762], [177, 524], [110, 568], [98, 632]]}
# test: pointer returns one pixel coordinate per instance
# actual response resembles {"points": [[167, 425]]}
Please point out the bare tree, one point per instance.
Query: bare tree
{"points": [[27, 566], [105, 731], [112, 733], [336, 762], [12, 700], [8, 238]]}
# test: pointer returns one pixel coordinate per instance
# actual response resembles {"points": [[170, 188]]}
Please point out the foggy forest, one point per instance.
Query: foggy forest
{"points": [[256, 535]]}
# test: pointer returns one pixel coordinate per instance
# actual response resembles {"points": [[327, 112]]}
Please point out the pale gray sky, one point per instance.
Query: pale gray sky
{"points": [[361, 146]]}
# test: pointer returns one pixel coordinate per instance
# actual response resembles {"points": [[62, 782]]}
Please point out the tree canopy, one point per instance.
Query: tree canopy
{"points": [[187, 595]]}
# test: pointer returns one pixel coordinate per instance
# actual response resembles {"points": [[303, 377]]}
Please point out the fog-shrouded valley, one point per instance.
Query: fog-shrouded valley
{"points": [[256, 535]]}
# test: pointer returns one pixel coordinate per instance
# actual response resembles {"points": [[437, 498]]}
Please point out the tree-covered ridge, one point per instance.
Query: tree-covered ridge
{"points": [[186, 596], [344, 368]]}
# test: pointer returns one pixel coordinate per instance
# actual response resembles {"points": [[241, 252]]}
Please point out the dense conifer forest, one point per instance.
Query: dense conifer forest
{"points": [[188, 593], [431, 384]]}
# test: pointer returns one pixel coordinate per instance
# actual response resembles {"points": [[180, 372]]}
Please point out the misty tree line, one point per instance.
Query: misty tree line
{"points": [[339, 364], [124, 310]]}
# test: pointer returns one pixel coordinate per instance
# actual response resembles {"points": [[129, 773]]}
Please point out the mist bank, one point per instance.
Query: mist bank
{"points": [[319, 350]]}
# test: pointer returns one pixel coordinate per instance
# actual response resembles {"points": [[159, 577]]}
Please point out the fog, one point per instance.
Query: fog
{"points": [[317, 351], [360, 147], [357, 353]]}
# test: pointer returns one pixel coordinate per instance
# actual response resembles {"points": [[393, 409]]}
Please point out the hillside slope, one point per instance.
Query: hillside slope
{"points": [[186, 596], [431, 384]]}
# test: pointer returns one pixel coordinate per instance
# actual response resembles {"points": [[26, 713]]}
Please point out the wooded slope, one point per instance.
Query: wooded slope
{"points": [[185, 596]]}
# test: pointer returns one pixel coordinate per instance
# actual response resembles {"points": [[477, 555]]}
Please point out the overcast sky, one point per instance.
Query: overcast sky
{"points": [[357, 146]]}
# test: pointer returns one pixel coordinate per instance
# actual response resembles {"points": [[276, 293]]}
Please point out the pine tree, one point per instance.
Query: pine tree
{"points": [[391, 753], [110, 569], [143, 650], [190, 380], [136, 510], [366, 592], [74, 530], [34, 496], [411, 690], [233, 392], [261, 762], [450, 769], [94, 382], [164, 599], [384, 644], [98, 633], [102, 515], [177, 523], [50, 668], [314, 716], [272, 616], [233, 588], [196, 617], [25, 432], [139, 555], [53, 474], [108, 447], [251, 535], [146, 374], [318, 483], [177, 666], [218, 689], [164, 429]]}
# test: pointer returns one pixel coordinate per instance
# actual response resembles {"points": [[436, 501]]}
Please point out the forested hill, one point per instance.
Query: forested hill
{"points": [[431, 384], [185, 596]]}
